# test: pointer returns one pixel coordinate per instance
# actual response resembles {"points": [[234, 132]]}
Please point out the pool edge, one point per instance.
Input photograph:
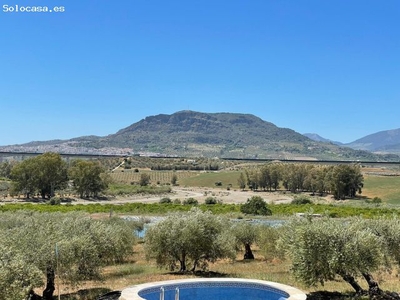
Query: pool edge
{"points": [[132, 293]]}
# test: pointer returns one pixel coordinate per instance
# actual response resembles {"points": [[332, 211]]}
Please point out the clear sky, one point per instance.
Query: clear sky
{"points": [[328, 67]]}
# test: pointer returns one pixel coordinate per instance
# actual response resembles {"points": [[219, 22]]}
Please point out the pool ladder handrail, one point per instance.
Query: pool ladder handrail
{"points": [[162, 293]]}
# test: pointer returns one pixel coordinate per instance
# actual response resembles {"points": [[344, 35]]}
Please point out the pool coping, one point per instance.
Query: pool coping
{"points": [[132, 293]]}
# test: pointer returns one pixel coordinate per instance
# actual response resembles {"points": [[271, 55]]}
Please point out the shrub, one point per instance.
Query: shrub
{"points": [[190, 201], [165, 200], [211, 200], [299, 200], [376, 200], [256, 206], [55, 201]]}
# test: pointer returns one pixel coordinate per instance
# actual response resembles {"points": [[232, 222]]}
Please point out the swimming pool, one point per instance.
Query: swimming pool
{"points": [[213, 289]]}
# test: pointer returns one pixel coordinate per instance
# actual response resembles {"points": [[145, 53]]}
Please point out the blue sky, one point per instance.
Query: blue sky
{"points": [[327, 67]]}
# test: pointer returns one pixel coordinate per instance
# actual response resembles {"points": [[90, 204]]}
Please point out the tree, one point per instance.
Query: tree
{"points": [[23, 178], [144, 179], [5, 169], [256, 206], [44, 173], [241, 181], [347, 180], [190, 239], [88, 177], [267, 240], [174, 179], [52, 173], [321, 250], [18, 277], [246, 234], [71, 244], [276, 175], [253, 179]]}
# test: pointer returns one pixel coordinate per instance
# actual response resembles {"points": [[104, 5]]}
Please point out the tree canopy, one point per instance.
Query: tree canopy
{"points": [[88, 177], [325, 249], [256, 206], [246, 234], [44, 174], [71, 244], [344, 180], [189, 240]]}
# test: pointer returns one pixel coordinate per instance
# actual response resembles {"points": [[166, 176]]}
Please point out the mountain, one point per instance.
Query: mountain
{"points": [[318, 138], [189, 133], [387, 141]]}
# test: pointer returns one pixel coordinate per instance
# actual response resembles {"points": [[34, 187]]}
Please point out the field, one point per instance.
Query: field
{"points": [[385, 187], [377, 183], [156, 177]]}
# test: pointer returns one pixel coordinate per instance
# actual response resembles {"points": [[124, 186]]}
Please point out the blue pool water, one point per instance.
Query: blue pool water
{"points": [[217, 290]]}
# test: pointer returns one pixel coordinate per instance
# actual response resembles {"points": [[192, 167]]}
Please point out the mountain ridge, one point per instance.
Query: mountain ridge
{"points": [[190, 133]]}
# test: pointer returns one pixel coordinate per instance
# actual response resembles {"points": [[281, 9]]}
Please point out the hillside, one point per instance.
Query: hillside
{"points": [[194, 134], [387, 141], [318, 138]]}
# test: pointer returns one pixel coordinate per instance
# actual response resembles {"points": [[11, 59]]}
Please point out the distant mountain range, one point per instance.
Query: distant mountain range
{"points": [[189, 133], [383, 142], [318, 138]]}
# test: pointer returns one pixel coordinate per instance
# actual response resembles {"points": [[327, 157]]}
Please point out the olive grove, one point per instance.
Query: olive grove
{"points": [[71, 246]]}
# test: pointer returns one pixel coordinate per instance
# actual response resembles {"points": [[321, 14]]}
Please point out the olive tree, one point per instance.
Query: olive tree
{"points": [[246, 234], [267, 241], [18, 277], [72, 244], [189, 240], [322, 250]]}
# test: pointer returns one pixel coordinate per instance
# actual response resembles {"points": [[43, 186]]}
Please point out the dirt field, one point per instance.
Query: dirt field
{"points": [[200, 194]]}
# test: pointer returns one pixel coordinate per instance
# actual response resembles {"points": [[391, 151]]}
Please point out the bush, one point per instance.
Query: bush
{"points": [[256, 206], [299, 200], [55, 201], [376, 200], [177, 201], [190, 201], [211, 200], [165, 200]]}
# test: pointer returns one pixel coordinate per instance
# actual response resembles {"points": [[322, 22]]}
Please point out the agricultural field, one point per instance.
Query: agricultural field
{"points": [[156, 177], [385, 187]]}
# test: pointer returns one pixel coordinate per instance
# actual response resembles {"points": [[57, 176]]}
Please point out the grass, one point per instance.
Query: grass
{"points": [[385, 187], [208, 179]]}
